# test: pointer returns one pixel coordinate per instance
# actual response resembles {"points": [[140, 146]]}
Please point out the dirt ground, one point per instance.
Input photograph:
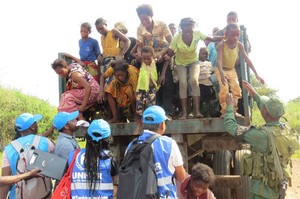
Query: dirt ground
{"points": [[293, 192]]}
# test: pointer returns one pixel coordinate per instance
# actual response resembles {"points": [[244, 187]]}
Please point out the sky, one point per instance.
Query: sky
{"points": [[33, 32]]}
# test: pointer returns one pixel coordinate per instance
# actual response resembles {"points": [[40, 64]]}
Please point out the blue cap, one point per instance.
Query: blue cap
{"points": [[99, 130], [25, 120], [154, 115], [62, 118]]}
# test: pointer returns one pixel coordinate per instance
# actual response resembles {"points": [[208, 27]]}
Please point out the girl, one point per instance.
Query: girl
{"points": [[110, 40], [94, 169], [185, 47], [120, 92]]}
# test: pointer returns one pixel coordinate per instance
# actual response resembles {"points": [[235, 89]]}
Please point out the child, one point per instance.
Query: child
{"points": [[147, 83], [197, 184], [89, 52], [120, 91], [228, 52], [207, 92], [110, 40]]}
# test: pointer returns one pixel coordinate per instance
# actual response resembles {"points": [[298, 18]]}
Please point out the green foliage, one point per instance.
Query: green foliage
{"points": [[262, 89], [14, 103]]}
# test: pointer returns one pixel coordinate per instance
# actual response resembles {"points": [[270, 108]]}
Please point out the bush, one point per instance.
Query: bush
{"points": [[14, 103]]}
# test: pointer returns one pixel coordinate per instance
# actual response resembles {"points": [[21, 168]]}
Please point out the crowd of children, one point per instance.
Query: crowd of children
{"points": [[135, 75], [157, 68]]}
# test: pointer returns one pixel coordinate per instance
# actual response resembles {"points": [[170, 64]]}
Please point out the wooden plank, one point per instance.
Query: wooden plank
{"points": [[189, 126]]}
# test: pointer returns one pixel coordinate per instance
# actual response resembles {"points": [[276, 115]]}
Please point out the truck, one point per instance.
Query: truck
{"points": [[200, 140]]}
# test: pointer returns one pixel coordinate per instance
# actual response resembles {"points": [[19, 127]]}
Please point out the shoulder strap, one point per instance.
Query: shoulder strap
{"points": [[151, 139], [275, 154], [36, 141], [16, 144], [70, 169]]}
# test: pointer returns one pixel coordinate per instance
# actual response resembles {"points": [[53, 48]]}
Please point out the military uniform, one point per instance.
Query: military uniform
{"points": [[264, 181]]}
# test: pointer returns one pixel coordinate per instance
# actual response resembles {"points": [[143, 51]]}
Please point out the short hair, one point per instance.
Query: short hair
{"points": [[203, 173], [145, 9], [120, 65], [186, 22], [148, 49], [151, 127], [172, 24], [57, 63], [231, 26], [100, 21], [232, 13], [87, 25]]}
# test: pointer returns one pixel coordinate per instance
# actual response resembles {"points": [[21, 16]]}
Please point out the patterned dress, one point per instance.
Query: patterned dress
{"points": [[74, 95]]}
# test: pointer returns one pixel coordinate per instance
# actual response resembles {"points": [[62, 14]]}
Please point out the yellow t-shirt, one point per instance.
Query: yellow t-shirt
{"points": [[229, 56]]}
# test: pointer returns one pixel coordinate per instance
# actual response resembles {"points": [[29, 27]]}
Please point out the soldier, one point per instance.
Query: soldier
{"points": [[272, 145]]}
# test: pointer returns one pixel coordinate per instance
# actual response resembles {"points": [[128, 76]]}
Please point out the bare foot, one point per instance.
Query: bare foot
{"points": [[198, 115]]}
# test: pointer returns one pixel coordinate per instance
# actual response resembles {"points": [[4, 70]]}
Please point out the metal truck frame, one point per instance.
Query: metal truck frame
{"points": [[203, 140]]}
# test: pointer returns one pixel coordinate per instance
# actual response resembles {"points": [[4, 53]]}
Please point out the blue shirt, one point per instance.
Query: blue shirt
{"points": [[89, 49], [64, 145]]}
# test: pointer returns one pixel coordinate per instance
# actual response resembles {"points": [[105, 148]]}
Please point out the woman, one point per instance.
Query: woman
{"points": [[94, 168], [81, 88], [185, 47], [120, 92]]}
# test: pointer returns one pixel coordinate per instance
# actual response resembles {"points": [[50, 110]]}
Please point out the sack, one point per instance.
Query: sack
{"points": [[137, 176], [63, 189], [40, 187]]}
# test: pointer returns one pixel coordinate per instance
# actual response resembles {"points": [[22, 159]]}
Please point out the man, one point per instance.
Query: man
{"points": [[26, 124], [157, 34], [66, 124], [265, 181], [166, 154]]}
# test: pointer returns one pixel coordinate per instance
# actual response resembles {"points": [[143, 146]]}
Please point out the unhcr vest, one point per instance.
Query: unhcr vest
{"points": [[80, 182], [161, 155], [261, 165]]}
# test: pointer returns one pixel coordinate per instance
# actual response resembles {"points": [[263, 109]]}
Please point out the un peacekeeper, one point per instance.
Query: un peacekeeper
{"points": [[261, 166]]}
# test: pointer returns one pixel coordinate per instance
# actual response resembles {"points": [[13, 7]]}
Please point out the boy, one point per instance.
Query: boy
{"points": [[228, 52], [207, 91]]}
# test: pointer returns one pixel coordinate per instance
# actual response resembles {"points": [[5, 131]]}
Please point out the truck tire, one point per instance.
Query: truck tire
{"points": [[244, 191], [221, 166]]}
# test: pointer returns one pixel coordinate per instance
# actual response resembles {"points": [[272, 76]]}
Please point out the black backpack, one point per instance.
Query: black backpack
{"points": [[137, 176]]}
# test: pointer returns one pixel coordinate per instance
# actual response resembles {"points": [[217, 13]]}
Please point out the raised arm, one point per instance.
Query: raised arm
{"points": [[123, 38], [74, 59]]}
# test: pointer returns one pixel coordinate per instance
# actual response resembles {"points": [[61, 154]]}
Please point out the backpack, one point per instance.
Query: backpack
{"points": [[137, 176], [35, 187]]}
